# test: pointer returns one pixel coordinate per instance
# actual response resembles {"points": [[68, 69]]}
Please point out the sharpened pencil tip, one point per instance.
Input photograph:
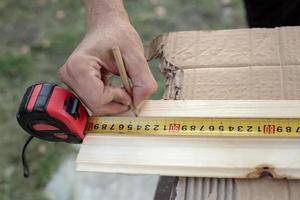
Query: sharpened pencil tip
{"points": [[134, 111]]}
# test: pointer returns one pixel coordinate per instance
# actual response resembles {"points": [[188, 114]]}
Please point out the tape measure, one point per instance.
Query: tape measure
{"points": [[218, 127], [53, 113]]}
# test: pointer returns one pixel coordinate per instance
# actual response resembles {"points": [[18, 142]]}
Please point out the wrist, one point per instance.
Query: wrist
{"points": [[104, 12]]}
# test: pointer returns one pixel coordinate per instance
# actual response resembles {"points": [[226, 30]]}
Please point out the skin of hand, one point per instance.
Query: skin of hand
{"points": [[87, 68]]}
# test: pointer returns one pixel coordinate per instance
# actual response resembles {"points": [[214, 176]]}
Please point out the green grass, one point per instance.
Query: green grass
{"points": [[36, 38]]}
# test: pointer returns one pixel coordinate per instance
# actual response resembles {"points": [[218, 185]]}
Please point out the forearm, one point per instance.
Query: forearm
{"points": [[101, 11]]}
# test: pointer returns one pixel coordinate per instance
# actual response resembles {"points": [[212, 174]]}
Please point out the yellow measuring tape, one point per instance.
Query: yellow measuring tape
{"points": [[224, 127]]}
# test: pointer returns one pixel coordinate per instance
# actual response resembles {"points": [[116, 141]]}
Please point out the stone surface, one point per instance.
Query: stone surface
{"points": [[69, 184]]}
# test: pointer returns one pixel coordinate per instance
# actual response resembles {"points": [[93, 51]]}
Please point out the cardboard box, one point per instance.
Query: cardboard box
{"points": [[231, 64]]}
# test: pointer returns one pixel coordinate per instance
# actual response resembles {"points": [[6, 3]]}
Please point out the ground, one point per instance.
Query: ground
{"points": [[36, 38]]}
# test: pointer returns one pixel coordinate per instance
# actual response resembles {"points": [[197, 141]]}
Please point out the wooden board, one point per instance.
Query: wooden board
{"points": [[221, 108], [198, 156]]}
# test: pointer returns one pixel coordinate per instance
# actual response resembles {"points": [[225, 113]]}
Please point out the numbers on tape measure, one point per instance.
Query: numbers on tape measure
{"points": [[195, 126]]}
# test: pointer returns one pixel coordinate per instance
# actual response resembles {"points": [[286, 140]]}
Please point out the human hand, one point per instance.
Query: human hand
{"points": [[86, 70]]}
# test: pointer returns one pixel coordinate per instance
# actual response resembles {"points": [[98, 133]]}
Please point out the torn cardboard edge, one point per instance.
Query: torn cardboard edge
{"points": [[172, 74], [245, 56]]}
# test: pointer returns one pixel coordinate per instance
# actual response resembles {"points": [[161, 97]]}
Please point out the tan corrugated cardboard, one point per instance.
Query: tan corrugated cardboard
{"points": [[256, 82], [229, 48], [254, 63], [231, 64]]}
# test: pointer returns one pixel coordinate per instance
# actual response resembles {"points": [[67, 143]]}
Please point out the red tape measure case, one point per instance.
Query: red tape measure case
{"points": [[52, 113]]}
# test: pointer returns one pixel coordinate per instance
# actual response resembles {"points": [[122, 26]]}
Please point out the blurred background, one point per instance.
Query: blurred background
{"points": [[36, 37]]}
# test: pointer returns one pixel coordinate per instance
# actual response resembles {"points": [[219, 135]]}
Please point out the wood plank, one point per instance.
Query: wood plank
{"points": [[203, 157], [198, 156], [221, 108]]}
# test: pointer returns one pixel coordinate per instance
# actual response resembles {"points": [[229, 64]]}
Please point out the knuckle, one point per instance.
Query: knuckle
{"points": [[74, 64], [74, 60], [70, 69], [152, 87], [149, 89]]}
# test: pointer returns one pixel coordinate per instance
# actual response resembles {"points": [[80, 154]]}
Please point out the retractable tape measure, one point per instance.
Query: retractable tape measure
{"points": [[52, 113]]}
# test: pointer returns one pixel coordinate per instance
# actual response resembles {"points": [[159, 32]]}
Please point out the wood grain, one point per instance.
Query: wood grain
{"points": [[198, 156], [221, 108]]}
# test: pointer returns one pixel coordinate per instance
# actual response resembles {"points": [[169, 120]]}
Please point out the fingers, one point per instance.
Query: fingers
{"points": [[120, 101], [82, 74], [111, 101], [110, 109], [143, 82], [118, 95]]}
